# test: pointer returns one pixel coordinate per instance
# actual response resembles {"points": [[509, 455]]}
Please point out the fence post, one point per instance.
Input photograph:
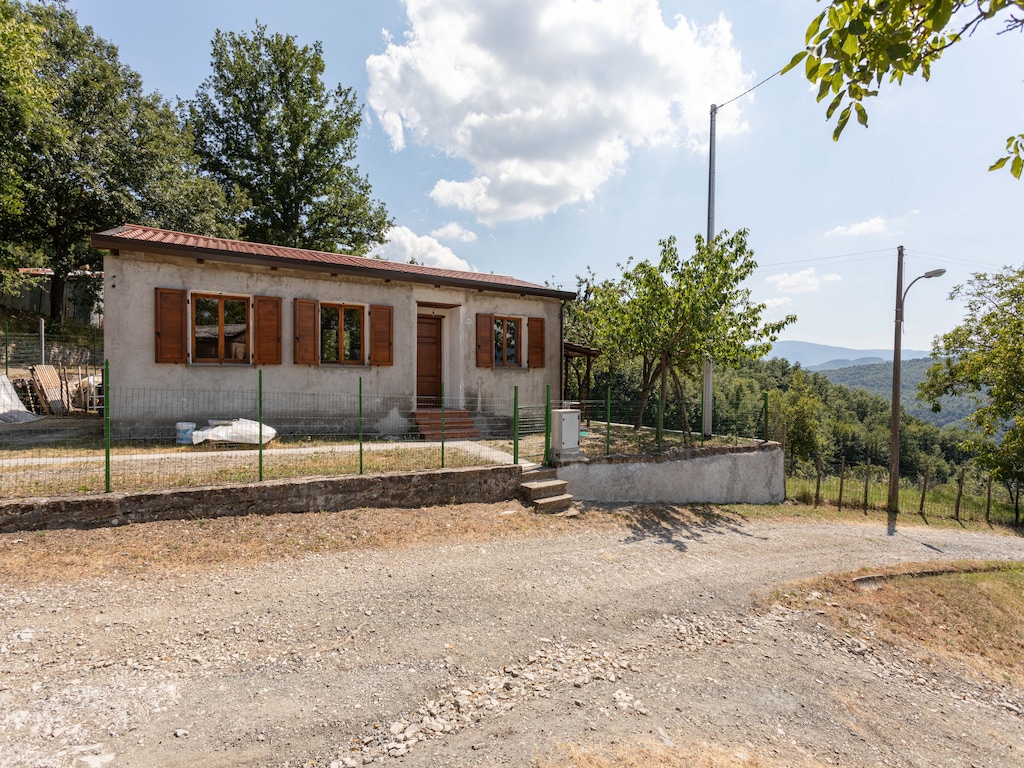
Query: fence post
{"points": [[924, 489], [547, 426], [661, 420], [703, 405], [7, 346], [106, 424], [867, 480], [608, 422], [515, 424], [817, 486], [988, 500], [959, 492], [259, 395], [442, 425], [842, 480], [766, 419], [785, 437], [42, 341], [360, 425]]}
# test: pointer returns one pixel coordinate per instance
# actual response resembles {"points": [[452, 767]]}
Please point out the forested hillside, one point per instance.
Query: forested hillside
{"points": [[877, 379]]}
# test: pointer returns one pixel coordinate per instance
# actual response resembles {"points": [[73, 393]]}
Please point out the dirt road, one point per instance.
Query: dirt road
{"points": [[491, 654]]}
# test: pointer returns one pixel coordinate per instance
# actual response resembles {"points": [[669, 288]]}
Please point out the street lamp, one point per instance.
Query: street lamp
{"points": [[894, 424]]}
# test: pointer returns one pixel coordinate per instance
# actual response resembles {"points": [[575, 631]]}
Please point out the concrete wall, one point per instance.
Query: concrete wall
{"points": [[403, 490], [129, 340], [738, 475]]}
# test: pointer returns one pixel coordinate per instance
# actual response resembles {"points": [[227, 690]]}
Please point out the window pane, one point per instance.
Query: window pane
{"points": [[207, 329], [329, 333], [236, 329], [499, 341], [353, 334], [511, 342]]}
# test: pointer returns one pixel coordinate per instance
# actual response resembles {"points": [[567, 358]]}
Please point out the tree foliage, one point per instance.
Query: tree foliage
{"points": [[854, 45], [22, 95], [672, 315], [983, 358], [100, 152], [265, 126]]}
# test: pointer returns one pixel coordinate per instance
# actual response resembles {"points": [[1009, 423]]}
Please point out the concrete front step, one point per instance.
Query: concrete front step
{"points": [[553, 504], [540, 473], [542, 489], [457, 425]]}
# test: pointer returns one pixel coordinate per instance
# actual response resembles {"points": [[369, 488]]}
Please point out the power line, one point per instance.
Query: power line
{"points": [[730, 101]]}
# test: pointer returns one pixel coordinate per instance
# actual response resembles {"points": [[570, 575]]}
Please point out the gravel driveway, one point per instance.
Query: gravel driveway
{"points": [[477, 655]]}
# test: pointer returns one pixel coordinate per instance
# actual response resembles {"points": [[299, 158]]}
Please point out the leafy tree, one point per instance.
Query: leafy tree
{"points": [[853, 45], [802, 411], [21, 95], [100, 154], [265, 125], [673, 315], [983, 358]]}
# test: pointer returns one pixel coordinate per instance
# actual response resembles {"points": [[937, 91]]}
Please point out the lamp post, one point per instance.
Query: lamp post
{"points": [[894, 424]]}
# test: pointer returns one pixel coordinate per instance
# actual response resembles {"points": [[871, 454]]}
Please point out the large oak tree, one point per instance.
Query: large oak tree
{"points": [[266, 126]]}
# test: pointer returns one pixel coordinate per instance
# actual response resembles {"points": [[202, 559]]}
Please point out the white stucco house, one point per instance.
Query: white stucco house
{"points": [[186, 312]]}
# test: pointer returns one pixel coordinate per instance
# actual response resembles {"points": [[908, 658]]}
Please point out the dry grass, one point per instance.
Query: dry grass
{"points": [[652, 755], [202, 544], [973, 612], [185, 467]]}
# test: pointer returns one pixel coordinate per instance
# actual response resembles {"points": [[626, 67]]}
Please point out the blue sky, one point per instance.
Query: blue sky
{"points": [[542, 139]]}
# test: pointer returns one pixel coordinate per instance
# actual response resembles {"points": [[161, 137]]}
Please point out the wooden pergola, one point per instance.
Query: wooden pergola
{"points": [[570, 351]]}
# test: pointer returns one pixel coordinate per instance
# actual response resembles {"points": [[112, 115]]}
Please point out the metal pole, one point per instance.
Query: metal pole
{"points": [[608, 422], [260, 411], [515, 424], [442, 425], [766, 417], [708, 367], [7, 346], [360, 425], [42, 341], [547, 426], [893, 504], [106, 424]]}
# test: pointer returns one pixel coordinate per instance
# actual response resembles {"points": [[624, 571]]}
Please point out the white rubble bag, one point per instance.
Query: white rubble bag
{"points": [[12, 410], [234, 431]]}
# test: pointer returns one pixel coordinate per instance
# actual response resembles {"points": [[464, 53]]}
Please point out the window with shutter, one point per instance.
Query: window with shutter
{"points": [[535, 353], [485, 341], [267, 330], [307, 332], [381, 335], [171, 325]]}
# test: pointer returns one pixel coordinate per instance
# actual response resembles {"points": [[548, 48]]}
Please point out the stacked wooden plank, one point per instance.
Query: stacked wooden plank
{"points": [[52, 394]]}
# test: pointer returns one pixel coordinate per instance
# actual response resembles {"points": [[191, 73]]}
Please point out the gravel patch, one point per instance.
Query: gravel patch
{"points": [[492, 653]]}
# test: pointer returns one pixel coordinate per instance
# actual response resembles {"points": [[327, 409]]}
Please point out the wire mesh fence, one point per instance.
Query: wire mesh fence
{"points": [[972, 495]]}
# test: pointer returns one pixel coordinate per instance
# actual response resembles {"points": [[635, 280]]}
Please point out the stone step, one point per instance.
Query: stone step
{"points": [[553, 504], [458, 425], [540, 473], [541, 489]]}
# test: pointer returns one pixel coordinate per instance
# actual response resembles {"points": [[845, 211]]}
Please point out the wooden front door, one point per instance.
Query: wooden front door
{"points": [[428, 362]]}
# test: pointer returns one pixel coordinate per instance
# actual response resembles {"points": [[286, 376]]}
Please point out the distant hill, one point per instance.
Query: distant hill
{"points": [[877, 378], [833, 364], [812, 355]]}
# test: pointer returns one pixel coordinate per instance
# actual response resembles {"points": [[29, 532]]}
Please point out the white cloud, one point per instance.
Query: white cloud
{"points": [[876, 225], [547, 99], [804, 281], [454, 231], [780, 303], [404, 244]]}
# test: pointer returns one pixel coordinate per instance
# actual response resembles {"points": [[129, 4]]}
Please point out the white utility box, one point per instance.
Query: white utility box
{"points": [[565, 435]]}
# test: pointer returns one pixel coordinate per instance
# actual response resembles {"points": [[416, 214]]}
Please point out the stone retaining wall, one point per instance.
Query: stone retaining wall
{"points": [[745, 474], [410, 490]]}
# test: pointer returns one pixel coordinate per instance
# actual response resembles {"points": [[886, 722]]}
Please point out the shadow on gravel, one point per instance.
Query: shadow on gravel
{"points": [[679, 526]]}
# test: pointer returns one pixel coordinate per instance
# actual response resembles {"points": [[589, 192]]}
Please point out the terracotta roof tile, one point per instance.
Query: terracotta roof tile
{"points": [[151, 239]]}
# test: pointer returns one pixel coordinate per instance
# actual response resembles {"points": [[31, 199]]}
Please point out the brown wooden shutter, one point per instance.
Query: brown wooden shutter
{"points": [[381, 335], [171, 325], [485, 341], [306, 333], [535, 330], [266, 325]]}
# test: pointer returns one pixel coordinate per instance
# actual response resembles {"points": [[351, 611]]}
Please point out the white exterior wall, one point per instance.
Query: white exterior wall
{"points": [[748, 477], [130, 280]]}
